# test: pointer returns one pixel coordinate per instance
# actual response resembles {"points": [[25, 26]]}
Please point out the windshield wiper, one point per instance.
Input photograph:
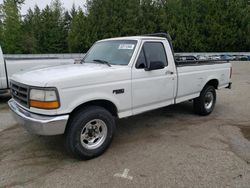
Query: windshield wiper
{"points": [[102, 62]]}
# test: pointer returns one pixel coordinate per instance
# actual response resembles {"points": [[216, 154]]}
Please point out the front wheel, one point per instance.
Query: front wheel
{"points": [[205, 103], [89, 132]]}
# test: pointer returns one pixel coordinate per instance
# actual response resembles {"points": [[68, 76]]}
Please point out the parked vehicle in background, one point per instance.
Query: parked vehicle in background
{"points": [[233, 58], [185, 58], [215, 57], [118, 78], [10, 67], [227, 57], [202, 57], [243, 58]]}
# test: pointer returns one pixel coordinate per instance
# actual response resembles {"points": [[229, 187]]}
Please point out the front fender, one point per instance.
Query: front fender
{"points": [[92, 97]]}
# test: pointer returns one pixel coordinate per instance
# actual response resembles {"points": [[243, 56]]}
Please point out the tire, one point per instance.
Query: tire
{"points": [[89, 132], [205, 103]]}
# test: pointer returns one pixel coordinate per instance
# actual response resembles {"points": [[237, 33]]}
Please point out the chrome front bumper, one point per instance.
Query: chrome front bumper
{"points": [[38, 124]]}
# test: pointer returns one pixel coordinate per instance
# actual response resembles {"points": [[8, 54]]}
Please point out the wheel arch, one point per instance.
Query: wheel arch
{"points": [[106, 104], [213, 82]]}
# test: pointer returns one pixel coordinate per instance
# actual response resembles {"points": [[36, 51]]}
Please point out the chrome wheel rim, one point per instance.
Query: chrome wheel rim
{"points": [[209, 100], [93, 134]]}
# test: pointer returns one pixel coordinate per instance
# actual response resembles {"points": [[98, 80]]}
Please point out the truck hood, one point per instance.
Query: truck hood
{"points": [[72, 75]]}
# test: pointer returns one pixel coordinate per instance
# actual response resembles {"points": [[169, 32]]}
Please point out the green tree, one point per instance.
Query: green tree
{"points": [[77, 37], [150, 16], [52, 29], [12, 32], [1, 32], [73, 11], [204, 25], [30, 39], [107, 18], [1, 25], [194, 25]]}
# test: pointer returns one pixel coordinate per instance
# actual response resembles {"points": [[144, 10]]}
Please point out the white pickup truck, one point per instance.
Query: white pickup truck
{"points": [[118, 78], [11, 66]]}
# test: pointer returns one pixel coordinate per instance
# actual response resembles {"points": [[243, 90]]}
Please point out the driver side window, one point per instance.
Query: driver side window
{"points": [[151, 52], [155, 52]]}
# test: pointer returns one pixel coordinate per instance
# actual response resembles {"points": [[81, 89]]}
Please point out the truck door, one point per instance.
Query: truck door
{"points": [[152, 89]]}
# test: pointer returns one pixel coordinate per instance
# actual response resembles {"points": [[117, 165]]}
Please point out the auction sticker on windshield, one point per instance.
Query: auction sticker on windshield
{"points": [[126, 46]]}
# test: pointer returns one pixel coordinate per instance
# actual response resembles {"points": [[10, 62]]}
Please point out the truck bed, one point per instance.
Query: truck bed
{"points": [[193, 75]]}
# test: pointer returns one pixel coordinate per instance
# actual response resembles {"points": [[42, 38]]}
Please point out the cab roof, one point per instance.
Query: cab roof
{"points": [[136, 38]]}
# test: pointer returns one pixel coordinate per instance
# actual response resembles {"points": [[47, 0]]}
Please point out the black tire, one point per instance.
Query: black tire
{"points": [[201, 106], [78, 123]]}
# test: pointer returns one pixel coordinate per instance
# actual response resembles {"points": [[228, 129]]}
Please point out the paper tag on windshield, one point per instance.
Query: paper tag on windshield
{"points": [[126, 47]]}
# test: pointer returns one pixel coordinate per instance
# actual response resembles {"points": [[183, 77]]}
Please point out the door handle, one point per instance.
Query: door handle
{"points": [[169, 72]]}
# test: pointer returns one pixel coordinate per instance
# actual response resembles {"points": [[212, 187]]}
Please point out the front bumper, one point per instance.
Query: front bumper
{"points": [[38, 124]]}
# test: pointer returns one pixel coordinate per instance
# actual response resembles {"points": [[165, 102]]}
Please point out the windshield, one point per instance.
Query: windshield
{"points": [[115, 52]]}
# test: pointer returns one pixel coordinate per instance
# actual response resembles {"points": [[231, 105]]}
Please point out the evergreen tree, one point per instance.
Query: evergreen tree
{"points": [[73, 11], [149, 18], [77, 33], [12, 32], [67, 19], [1, 31], [108, 18], [30, 39], [194, 25], [1, 25], [53, 33]]}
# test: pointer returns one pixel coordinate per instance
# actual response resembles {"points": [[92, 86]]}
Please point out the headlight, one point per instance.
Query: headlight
{"points": [[44, 99]]}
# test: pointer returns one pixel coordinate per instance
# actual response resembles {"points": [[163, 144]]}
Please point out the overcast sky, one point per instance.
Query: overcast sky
{"points": [[42, 3]]}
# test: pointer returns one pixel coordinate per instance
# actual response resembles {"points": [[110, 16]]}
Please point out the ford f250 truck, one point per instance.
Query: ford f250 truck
{"points": [[118, 78], [11, 66]]}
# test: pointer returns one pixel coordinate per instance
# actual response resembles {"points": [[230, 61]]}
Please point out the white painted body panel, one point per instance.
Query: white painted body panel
{"points": [[22, 66], [192, 79], [81, 83], [144, 90], [3, 80], [153, 89], [17, 66]]}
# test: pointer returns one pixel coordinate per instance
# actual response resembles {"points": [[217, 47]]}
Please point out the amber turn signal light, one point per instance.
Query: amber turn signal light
{"points": [[44, 104]]}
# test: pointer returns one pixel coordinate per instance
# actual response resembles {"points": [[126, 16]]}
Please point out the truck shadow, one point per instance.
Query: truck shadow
{"points": [[177, 115], [3, 102], [35, 148], [27, 152], [4, 98]]}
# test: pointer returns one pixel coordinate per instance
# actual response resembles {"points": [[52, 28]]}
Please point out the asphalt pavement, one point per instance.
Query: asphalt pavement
{"points": [[169, 147]]}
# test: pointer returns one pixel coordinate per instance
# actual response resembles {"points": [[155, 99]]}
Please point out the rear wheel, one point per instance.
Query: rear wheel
{"points": [[205, 103], [89, 132]]}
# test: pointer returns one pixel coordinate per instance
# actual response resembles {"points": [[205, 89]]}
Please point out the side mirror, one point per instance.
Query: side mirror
{"points": [[155, 65]]}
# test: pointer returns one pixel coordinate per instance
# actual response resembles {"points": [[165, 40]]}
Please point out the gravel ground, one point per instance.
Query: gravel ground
{"points": [[169, 147]]}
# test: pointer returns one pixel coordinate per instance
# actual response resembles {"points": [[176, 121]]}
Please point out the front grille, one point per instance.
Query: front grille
{"points": [[20, 93]]}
